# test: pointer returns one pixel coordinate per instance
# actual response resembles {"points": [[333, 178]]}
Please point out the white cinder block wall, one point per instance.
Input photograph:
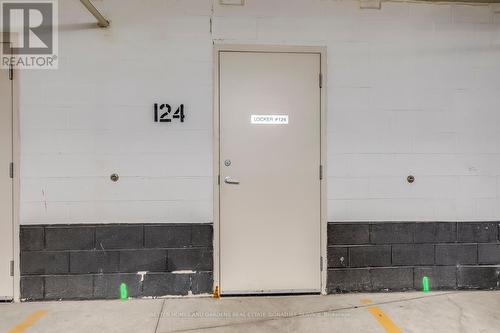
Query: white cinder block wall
{"points": [[412, 89]]}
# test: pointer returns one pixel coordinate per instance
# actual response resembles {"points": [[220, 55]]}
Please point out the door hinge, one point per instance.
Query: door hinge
{"points": [[11, 73], [11, 169], [320, 80], [12, 268], [320, 172], [321, 263], [218, 179]]}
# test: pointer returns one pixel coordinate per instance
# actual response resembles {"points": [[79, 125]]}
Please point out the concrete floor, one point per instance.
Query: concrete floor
{"points": [[468, 311]]}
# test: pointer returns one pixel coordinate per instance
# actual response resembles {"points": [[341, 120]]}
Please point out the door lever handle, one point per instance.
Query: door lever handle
{"points": [[229, 180]]}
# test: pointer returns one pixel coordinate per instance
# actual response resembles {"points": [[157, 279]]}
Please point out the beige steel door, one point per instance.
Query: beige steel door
{"points": [[6, 186], [269, 109]]}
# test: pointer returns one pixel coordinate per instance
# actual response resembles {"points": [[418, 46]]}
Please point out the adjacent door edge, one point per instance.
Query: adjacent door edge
{"points": [[321, 50], [16, 154]]}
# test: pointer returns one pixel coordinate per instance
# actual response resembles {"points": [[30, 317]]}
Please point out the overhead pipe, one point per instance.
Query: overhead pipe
{"points": [[101, 20]]}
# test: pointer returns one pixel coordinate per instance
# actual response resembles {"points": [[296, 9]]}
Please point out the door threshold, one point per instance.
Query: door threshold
{"points": [[269, 294]]}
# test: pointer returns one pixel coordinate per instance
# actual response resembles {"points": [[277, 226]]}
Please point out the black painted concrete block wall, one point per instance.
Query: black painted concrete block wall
{"points": [[382, 256], [91, 261]]}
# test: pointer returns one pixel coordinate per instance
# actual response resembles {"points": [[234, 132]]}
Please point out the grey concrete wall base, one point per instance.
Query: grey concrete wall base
{"points": [[383, 256], [91, 261]]}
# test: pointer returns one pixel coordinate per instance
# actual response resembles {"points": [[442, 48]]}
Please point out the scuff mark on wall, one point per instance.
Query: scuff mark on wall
{"points": [[187, 271], [142, 274], [44, 200]]}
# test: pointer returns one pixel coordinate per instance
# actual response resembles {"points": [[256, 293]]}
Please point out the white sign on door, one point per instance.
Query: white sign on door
{"points": [[269, 119]]}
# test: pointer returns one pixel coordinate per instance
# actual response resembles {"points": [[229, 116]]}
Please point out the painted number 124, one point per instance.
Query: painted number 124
{"points": [[163, 113]]}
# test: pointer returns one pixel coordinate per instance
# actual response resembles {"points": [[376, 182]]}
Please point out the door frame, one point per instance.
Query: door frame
{"points": [[16, 157], [216, 148]]}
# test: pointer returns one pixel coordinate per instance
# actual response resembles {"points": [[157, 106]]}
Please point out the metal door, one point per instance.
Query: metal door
{"points": [[270, 154]]}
